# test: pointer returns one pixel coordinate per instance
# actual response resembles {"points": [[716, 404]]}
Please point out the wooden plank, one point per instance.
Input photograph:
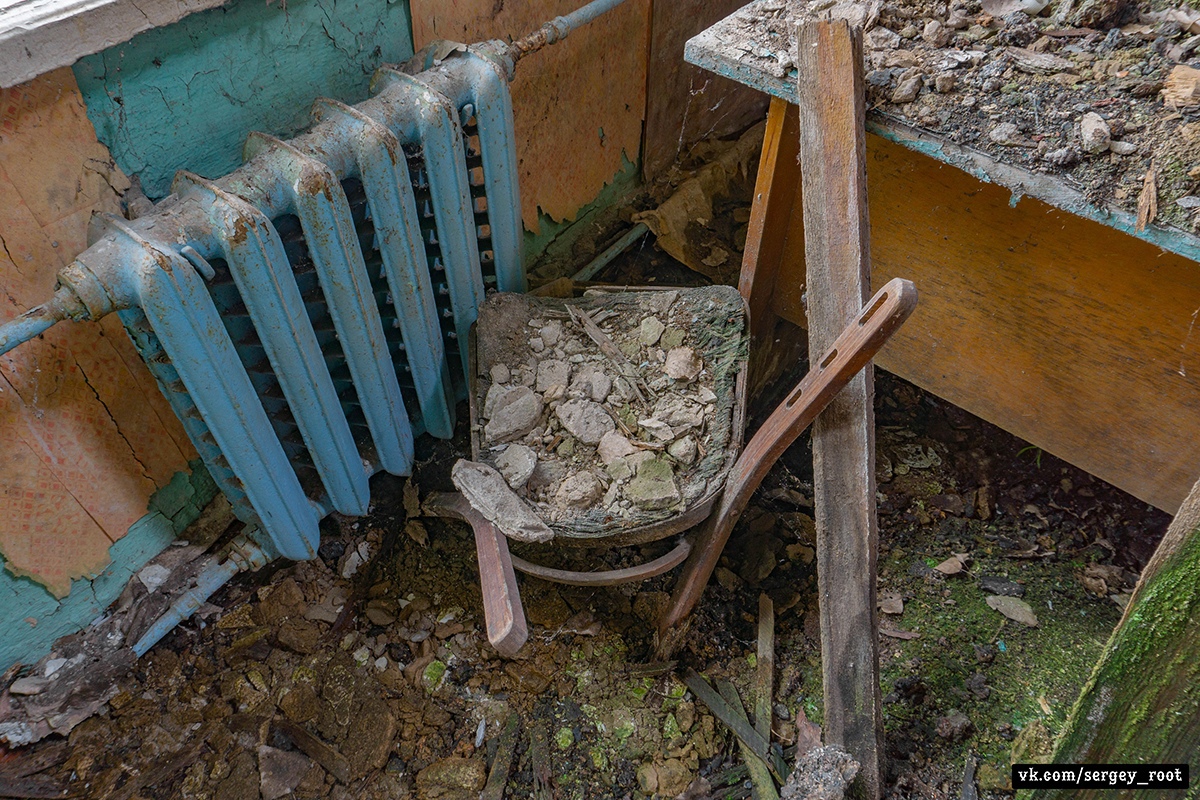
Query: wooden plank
{"points": [[837, 252], [1067, 333], [690, 104], [769, 236], [1141, 705], [577, 106]]}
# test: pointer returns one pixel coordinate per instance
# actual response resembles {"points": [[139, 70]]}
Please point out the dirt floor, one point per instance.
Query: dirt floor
{"points": [[276, 687]]}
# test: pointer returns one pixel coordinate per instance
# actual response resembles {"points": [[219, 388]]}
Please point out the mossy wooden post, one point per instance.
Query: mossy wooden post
{"points": [[1142, 703]]}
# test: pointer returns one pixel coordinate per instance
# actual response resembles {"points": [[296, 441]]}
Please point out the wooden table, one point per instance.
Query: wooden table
{"points": [[1040, 312]]}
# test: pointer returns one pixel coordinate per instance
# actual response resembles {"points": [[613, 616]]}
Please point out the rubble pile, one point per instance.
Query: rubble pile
{"points": [[616, 409]]}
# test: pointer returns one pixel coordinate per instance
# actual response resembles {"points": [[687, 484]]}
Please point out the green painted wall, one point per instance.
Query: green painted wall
{"points": [[553, 245], [31, 619], [185, 96]]}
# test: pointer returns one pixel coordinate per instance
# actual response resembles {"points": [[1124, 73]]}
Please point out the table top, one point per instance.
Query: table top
{"points": [[1007, 118]]}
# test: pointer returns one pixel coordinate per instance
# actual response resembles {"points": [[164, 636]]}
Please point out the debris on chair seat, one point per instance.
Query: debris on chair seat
{"points": [[616, 408]]}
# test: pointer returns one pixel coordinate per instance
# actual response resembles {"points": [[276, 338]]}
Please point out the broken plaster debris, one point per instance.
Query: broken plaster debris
{"points": [[1062, 74], [601, 451]]}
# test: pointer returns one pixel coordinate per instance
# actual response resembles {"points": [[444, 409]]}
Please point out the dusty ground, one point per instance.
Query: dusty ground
{"points": [[407, 699]]}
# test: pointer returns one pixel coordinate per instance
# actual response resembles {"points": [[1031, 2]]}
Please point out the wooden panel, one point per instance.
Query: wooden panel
{"points": [[85, 434], [578, 105], [1071, 335], [688, 104]]}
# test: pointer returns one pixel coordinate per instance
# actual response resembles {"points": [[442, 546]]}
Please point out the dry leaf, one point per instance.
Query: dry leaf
{"points": [[412, 500], [899, 634], [1014, 609], [891, 603], [583, 624], [1147, 206], [1188, 19], [808, 734], [1181, 89], [1044, 704], [415, 530], [954, 564]]}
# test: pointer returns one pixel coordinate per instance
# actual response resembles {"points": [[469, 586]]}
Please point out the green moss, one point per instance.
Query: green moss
{"points": [[433, 675], [564, 738]]}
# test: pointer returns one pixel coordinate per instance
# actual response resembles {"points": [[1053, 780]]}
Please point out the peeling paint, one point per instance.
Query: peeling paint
{"points": [[186, 95], [31, 619]]}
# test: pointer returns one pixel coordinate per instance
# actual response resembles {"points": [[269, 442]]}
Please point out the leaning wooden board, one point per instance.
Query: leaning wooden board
{"points": [[1069, 333]]}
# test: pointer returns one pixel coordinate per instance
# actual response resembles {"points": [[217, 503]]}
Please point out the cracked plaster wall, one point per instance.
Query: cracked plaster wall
{"points": [[184, 96], [85, 435]]}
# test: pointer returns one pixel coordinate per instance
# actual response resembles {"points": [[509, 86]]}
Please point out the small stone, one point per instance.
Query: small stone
{"points": [[684, 451], [955, 726], [591, 382], [299, 635], [706, 395], [1006, 133], [619, 469], [517, 415], [671, 338], [683, 364], [378, 616], [551, 332], [935, 33], [452, 779], [500, 373], [612, 446], [1123, 148], [27, 686], [673, 777], [994, 584], [579, 491], [881, 38], [495, 399], [1094, 133], [552, 372], [1062, 157], [653, 488], [657, 428], [516, 464], [649, 331], [585, 420], [647, 778], [908, 88], [280, 771], [555, 392], [536, 344], [679, 412], [944, 82]]}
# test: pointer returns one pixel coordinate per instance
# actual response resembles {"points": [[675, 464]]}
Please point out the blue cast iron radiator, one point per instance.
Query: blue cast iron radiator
{"points": [[307, 315]]}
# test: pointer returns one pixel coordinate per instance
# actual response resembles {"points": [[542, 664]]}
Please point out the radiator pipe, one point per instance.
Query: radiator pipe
{"points": [[65, 304], [243, 554], [557, 29]]}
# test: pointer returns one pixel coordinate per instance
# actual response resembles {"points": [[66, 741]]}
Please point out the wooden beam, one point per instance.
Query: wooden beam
{"points": [[767, 236], [837, 253], [1142, 705]]}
